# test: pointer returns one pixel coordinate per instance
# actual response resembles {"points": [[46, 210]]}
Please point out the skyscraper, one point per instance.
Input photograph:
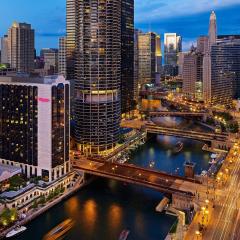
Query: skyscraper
{"points": [[193, 74], [212, 38], [21, 47], [34, 125], [94, 30], [4, 49], [202, 44], [50, 56], [212, 29], [127, 55], [62, 57], [147, 57], [136, 64], [172, 47]]}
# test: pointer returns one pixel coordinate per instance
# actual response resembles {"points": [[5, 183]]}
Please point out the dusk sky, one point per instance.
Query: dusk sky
{"points": [[189, 18]]}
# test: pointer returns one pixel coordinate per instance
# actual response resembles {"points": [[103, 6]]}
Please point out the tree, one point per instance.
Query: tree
{"points": [[8, 216], [16, 182]]}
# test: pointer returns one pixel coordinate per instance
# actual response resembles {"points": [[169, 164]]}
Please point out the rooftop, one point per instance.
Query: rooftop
{"points": [[8, 171], [23, 78]]}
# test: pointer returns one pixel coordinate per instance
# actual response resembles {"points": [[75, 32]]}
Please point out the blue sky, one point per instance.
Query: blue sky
{"points": [[186, 17]]}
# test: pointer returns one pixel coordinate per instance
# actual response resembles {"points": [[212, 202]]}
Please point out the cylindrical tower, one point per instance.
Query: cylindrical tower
{"points": [[98, 78]]}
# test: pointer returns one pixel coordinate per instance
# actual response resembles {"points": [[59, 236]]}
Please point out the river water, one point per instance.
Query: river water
{"points": [[104, 208]]}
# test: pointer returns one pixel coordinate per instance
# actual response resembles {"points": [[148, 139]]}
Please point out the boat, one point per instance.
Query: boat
{"points": [[60, 230], [124, 235], [152, 164], [178, 148], [16, 231], [212, 162]]}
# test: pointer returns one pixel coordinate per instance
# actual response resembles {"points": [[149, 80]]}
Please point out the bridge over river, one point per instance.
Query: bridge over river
{"points": [[160, 181]]}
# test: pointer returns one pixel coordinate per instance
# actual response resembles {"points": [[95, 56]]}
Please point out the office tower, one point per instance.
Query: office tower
{"points": [[62, 57], [94, 27], [127, 56], [212, 33], [4, 49], [158, 54], [172, 48], [181, 62], [136, 65], [202, 44], [34, 125], [50, 57], [225, 71], [192, 74], [146, 57], [21, 47], [72, 39]]}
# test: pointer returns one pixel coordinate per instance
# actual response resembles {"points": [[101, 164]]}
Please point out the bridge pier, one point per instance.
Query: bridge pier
{"points": [[182, 202]]}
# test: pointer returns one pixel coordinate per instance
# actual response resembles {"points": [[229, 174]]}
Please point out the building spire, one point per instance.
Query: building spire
{"points": [[212, 29]]}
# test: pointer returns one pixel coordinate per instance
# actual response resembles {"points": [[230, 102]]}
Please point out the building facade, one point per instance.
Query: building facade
{"points": [[127, 56], [147, 57], [207, 78], [94, 33], [172, 48], [21, 47], [192, 75], [62, 57], [34, 125], [50, 57], [4, 49], [225, 72]]}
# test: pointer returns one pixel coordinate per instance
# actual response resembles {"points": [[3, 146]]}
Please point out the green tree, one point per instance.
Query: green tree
{"points": [[16, 182]]}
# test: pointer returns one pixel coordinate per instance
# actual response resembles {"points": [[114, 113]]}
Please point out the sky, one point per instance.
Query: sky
{"points": [[189, 18]]}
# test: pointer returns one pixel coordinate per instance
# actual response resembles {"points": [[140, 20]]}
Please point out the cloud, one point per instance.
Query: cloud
{"points": [[161, 9]]}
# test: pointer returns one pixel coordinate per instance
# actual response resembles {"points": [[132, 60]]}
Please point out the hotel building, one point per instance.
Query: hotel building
{"points": [[34, 125]]}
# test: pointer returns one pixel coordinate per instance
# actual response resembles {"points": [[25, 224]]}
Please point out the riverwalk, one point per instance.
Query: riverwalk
{"points": [[34, 213]]}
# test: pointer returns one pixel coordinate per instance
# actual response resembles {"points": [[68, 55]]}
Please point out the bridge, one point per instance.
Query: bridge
{"points": [[132, 174], [173, 114], [197, 135]]}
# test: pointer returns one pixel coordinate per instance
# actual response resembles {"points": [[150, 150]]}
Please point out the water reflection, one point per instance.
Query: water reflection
{"points": [[115, 216], [90, 212]]}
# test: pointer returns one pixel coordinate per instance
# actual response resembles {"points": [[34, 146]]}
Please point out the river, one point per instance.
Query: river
{"points": [[104, 208]]}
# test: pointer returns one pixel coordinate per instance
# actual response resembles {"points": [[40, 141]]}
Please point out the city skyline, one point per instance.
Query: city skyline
{"points": [[189, 21]]}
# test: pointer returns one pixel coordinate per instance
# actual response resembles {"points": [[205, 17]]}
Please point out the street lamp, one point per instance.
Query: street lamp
{"points": [[197, 234]]}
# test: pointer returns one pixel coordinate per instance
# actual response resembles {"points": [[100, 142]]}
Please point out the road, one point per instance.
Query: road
{"points": [[226, 225]]}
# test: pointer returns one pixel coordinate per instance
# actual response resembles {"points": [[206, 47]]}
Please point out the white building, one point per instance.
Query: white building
{"points": [[34, 125]]}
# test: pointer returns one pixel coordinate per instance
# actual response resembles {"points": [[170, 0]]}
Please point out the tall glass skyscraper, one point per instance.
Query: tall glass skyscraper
{"points": [[94, 34], [127, 55]]}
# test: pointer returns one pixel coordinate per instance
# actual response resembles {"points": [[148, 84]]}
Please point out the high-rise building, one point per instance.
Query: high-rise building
{"points": [[72, 39], [192, 74], [127, 56], [94, 30], [62, 67], [136, 65], [212, 34], [225, 73], [50, 57], [212, 38], [21, 47], [172, 48], [4, 49], [202, 44], [34, 125], [147, 57]]}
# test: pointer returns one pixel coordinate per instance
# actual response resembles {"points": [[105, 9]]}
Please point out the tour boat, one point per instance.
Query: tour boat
{"points": [[152, 163], [124, 235], [16, 231], [178, 148], [59, 230]]}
